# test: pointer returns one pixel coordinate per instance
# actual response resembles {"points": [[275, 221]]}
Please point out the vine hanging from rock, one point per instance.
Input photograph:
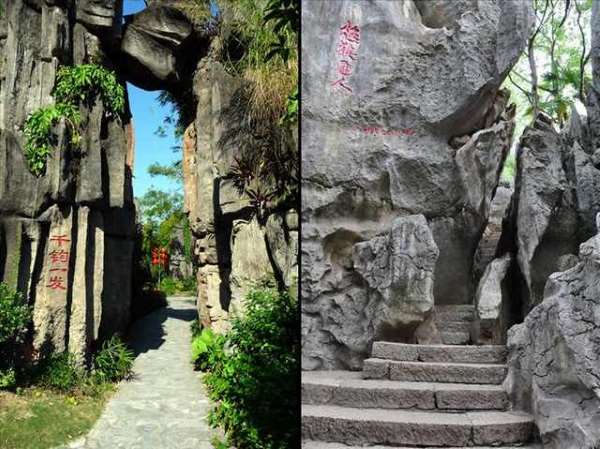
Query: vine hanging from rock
{"points": [[74, 85]]}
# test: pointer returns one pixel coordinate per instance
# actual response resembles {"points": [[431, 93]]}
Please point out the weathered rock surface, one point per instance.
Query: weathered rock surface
{"points": [[398, 268], [68, 235], [557, 191], [232, 248], [554, 363], [161, 47], [494, 303], [419, 128], [489, 244]]}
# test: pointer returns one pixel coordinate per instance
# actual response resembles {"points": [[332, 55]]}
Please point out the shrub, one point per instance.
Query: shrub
{"points": [[114, 361], [15, 315], [8, 378], [168, 285], [60, 372], [253, 380], [196, 328], [206, 347]]}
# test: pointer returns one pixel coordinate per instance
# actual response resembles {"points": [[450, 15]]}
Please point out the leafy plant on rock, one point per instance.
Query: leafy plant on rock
{"points": [[75, 85]]}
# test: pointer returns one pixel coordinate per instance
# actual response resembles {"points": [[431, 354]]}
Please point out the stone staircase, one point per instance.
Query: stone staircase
{"points": [[415, 396], [454, 323]]}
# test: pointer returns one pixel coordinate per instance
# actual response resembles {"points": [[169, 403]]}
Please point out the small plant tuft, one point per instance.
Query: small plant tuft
{"points": [[60, 372], [114, 361], [205, 348]]}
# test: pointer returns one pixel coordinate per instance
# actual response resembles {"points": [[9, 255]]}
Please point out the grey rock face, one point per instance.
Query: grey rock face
{"points": [[161, 47], [490, 240], [554, 362], [232, 248], [493, 302], [398, 269], [556, 198], [423, 74], [67, 235]]}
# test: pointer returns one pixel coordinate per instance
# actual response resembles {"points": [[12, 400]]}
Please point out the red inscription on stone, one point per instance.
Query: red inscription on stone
{"points": [[59, 239], [59, 262], [347, 48], [377, 130], [59, 256], [56, 283]]}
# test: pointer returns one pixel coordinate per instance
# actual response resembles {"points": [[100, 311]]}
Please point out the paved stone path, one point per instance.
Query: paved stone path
{"points": [[164, 406]]}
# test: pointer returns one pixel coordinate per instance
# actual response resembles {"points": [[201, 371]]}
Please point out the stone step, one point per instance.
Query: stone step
{"points": [[439, 353], [311, 444], [462, 312], [463, 373], [409, 427], [455, 338], [453, 326], [347, 388]]}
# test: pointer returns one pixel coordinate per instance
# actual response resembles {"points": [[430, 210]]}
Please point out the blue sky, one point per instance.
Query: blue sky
{"points": [[148, 115]]}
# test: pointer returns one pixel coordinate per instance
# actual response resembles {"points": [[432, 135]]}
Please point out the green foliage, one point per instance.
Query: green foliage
{"points": [[196, 328], [292, 108], [8, 379], [114, 361], [206, 348], [170, 286], [60, 372], [15, 315], [510, 167], [39, 138], [173, 171], [555, 69], [74, 85], [86, 82], [253, 379]]}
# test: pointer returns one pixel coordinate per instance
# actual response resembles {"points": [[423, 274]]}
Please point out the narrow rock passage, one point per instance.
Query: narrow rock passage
{"points": [[164, 406]]}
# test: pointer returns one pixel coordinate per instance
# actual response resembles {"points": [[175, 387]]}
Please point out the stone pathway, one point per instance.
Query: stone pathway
{"points": [[415, 396], [164, 406]]}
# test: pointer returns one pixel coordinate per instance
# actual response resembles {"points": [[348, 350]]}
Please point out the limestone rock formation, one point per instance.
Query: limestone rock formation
{"points": [[233, 250], [554, 363], [398, 269], [411, 123], [493, 301], [66, 238], [157, 46]]}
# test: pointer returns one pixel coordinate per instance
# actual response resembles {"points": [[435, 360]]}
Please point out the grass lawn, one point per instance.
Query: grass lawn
{"points": [[42, 419]]}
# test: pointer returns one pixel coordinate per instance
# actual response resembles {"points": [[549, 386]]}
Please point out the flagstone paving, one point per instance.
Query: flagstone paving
{"points": [[164, 406]]}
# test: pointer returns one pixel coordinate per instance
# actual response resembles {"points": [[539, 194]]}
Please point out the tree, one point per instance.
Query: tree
{"points": [[554, 70]]}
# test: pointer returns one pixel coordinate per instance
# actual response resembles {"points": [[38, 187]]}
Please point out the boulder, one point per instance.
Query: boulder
{"points": [[493, 303], [160, 47], [410, 123], [546, 210], [398, 269], [554, 361]]}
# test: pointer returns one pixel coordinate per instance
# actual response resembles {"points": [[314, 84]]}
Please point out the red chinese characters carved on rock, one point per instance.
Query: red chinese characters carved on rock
{"points": [[347, 49], [59, 262]]}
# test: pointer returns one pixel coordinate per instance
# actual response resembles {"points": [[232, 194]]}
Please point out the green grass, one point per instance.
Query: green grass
{"points": [[41, 419]]}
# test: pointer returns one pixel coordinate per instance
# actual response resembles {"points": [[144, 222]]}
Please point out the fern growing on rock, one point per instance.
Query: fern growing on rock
{"points": [[80, 84]]}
